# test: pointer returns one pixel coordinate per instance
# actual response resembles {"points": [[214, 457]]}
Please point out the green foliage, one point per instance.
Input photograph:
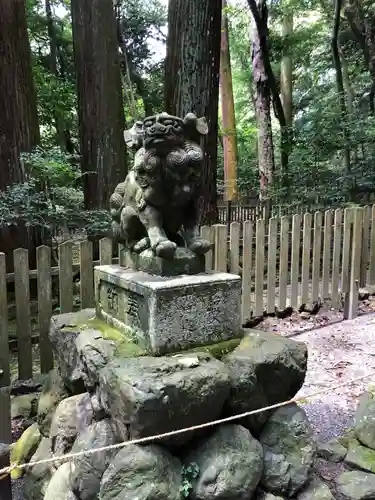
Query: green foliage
{"points": [[188, 473], [52, 198]]}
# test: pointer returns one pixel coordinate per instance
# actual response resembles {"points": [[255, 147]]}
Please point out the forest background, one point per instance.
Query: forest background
{"points": [[74, 74]]}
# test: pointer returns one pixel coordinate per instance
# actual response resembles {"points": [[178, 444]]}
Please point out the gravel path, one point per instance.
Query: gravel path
{"points": [[337, 352]]}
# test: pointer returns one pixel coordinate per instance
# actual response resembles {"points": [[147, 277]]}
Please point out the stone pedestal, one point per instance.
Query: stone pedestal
{"points": [[169, 313]]}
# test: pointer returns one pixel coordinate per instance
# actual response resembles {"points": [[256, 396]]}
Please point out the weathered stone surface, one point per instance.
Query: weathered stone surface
{"points": [[142, 473], [169, 314], [360, 457], [364, 421], [64, 329], [316, 490], [356, 485], [147, 395], [94, 352], [53, 393], [88, 470], [332, 450], [24, 406], [289, 451], [59, 488], [37, 479], [184, 262], [230, 464], [264, 369], [73, 415]]}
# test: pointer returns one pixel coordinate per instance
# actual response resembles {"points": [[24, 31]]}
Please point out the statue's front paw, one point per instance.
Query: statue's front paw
{"points": [[165, 249], [200, 246], [141, 245]]}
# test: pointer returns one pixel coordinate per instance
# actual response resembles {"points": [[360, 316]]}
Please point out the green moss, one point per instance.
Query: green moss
{"points": [[360, 457], [217, 350], [126, 347]]}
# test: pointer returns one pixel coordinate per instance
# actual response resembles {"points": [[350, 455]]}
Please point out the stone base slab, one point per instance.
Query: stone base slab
{"points": [[169, 314]]}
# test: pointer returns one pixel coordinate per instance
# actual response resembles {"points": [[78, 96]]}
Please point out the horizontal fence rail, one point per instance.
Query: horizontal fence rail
{"points": [[283, 262]]}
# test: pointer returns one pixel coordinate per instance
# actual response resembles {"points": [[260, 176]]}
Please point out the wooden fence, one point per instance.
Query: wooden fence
{"points": [[283, 262]]}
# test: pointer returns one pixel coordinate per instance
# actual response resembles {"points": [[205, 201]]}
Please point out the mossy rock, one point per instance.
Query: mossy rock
{"points": [[24, 448], [360, 457]]}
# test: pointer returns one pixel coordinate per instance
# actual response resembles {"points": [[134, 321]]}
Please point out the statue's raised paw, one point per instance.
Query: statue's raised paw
{"points": [[165, 249], [141, 245], [200, 246]]}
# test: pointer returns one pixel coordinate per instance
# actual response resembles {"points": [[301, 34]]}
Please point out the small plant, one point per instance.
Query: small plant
{"points": [[188, 474]]}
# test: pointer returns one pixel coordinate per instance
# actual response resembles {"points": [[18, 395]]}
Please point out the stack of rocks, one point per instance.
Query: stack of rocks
{"points": [[116, 395]]}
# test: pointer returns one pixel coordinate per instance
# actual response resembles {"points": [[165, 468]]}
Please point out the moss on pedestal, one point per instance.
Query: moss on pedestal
{"points": [[217, 350]]}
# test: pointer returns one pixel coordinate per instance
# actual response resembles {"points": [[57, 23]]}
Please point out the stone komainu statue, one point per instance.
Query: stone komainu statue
{"points": [[156, 206]]}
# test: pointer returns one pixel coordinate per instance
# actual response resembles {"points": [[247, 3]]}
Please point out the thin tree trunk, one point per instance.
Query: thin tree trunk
{"points": [[262, 96], [340, 87], [60, 132], [192, 80], [260, 15], [286, 80], [100, 105], [228, 114]]}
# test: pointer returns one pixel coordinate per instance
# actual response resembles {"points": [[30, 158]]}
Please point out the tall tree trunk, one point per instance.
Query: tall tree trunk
{"points": [[192, 80], [100, 105], [18, 112], [340, 88], [286, 81], [262, 95], [19, 128], [60, 131], [228, 114], [260, 15]]}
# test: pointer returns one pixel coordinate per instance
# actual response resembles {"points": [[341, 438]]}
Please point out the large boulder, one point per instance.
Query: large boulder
{"points": [[289, 451], [142, 473], [63, 332], [264, 369], [230, 464], [149, 395], [38, 477], [316, 490], [59, 488], [356, 485], [73, 415], [89, 469], [53, 393], [364, 421]]}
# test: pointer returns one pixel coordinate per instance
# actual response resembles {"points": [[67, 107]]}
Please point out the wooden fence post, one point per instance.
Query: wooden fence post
{"points": [[247, 268], [259, 268], [221, 250], [355, 267], [66, 277], [5, 481], [43, 255], [22, 289]]}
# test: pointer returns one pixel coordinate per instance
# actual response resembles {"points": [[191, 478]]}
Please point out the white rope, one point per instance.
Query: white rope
{"points": [[69, 456]]}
